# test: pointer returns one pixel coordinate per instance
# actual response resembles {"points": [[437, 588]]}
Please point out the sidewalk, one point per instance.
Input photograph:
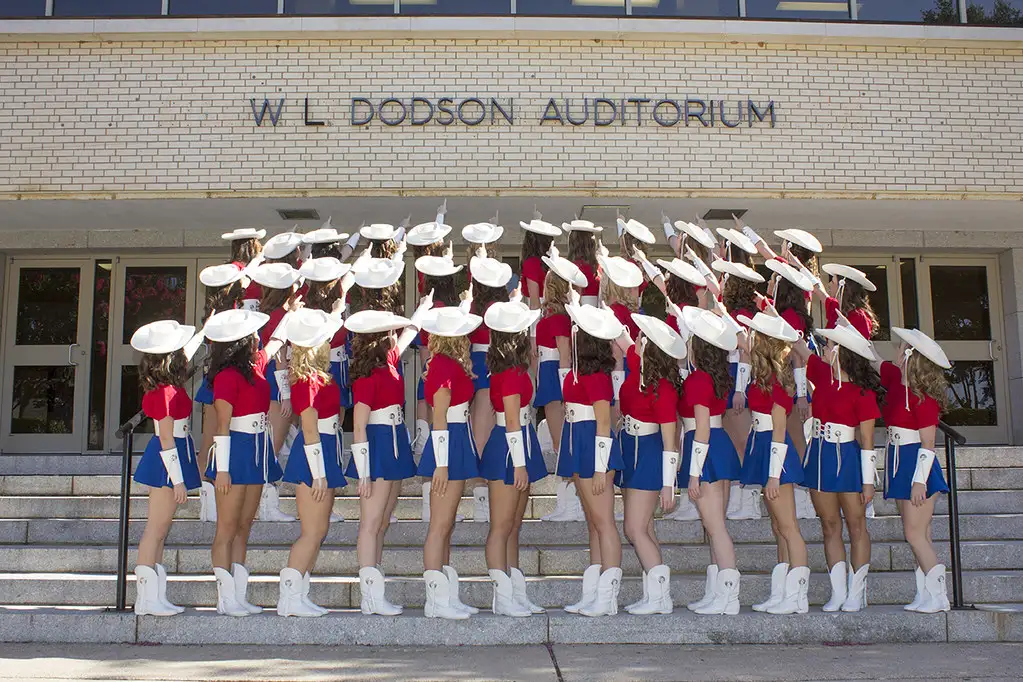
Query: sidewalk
{"points": [[561, 663]]}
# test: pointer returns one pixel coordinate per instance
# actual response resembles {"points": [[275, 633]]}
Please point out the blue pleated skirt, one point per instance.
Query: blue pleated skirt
{"points": [[899, 483], [496, 465], [253, 461], [833, 467], [463, 460], [297, 468], [722, 463], [151, 471], [578, 442], [641, 461], [548, 384], [205, 393], [756, 464], [479, 368], [383, 461]]}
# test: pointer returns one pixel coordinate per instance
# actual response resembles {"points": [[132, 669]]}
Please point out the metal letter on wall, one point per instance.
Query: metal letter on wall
{"points": [[275, 116]]}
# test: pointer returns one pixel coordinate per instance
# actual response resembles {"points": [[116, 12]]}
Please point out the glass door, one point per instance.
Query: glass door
{"points": [[46, 371]]}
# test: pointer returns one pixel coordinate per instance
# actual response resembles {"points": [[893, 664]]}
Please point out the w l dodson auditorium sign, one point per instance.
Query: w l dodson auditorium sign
{"points": [[473, 111]]}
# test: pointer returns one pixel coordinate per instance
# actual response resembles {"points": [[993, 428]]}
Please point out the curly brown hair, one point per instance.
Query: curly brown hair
{"points": [[483, 296], [699, 249], [714, 361], [659, 365], [790, 297], [739, 294], [582, 246], [445, 289], [291, 259], [382, 248], [162, 369], [455, 347], [681, 292], [369, 351], [856, 297], [229, 297], [244, 250], [508, 350], [327, 250], [595, 355], [272, 299], [434, 249], [555, 295], [321, 295], [391, 299], [240, 354], [927, 379], [807, 257], [627, 244], [769, 361], [534, 245], [861, 373]]}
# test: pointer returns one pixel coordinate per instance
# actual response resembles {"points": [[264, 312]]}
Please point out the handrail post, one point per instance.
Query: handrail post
{"points": [[955, 557], [125, 517]]}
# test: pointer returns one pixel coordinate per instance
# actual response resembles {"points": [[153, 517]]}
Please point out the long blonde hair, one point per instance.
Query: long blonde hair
{"points": [[769, 360], [555, 294], [455, 347], [612, 293], [927, 379], [309, 363]]}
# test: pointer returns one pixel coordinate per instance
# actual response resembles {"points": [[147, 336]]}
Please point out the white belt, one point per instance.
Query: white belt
{"points": [[576, 412], [900, 436], [337, 354], [389, 416], [689, 423], [250, 304], [546, 354], [635, 427], [458, 414], [251, 423], [479, 347], [839, 433], [762, 422], [589, 300], [181, 428], [329, 425], [525, 417], [816, 428]]}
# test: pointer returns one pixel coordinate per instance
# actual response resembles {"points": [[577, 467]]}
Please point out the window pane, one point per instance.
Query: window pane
{"points": [[43, 400], [98, 360], [341, 7], [222, 7], [22, 8], [910, 309], [151, 294], [571, 7], [469, 7], [131, 399], [686, 8], [47, 307], [819, 10], [995, 12], [878, 276], [971, 394], [959, 300], [914, 11], [107, 8]]}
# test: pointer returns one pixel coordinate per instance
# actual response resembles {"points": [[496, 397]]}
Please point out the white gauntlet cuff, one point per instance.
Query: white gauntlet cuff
{"points": [[222, 453], [799, 374], [314, 456], [698, 458], [562, 375], [868, 466], [283, 383], [669, 468], [742, 376], [778, 452], [924, 462], [617, 380], [360, 454], [516, 448], [601, 454], [440, 447], [173, 465], [751, 233]]}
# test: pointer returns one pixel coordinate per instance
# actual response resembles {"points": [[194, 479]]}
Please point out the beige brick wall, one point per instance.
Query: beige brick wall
{"points": [[175, 117]]}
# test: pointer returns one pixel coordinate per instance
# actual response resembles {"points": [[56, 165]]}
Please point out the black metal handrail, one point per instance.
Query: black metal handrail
{"points": [[952, 439]]}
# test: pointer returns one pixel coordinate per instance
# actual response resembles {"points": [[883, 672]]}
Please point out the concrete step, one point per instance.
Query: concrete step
{"points": [[893, 587], [197, 627]]}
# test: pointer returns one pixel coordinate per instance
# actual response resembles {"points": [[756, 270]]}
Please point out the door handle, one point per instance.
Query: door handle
{"points": [[70, 353], [991, 350]]}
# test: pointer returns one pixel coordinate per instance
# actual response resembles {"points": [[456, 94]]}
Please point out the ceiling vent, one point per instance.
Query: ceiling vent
{"points": [[603, 214], [724, 213], [291, 214]]}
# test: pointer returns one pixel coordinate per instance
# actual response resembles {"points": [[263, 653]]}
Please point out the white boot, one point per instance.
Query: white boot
{"points": [[870, 512], [504, 602], [777, 588], [543, 434], [658, 591], [749, 504], [708, 588], [577, 506], [456, 602], [562, 503], [422, 437], [686, 510], [804, 505], [241, 587], [481, 508], [734, 499], [919, 598], [590, 577], [642, 599], [797, 583], [290, 602], [147, 594], [839, 587], [371, 587], [227, 595], [305, 595], [207, 502], [857, 596], [161, 574], [518, 580], [336, 518], [270, 505], [426, 501], [438, 598], [605, 603], [726, 595], [935, 594]]}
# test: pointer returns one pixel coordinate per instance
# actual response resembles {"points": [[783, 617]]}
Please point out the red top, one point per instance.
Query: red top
{"points": [[590, 388], [384, 387], [482, 333], [167, 401], [509, 382], [764, 401], [857, 318], [849, 405], [792, 316], [672, 322], [698, 389], [338, 340], [271, 325], [319, 393], [741, 311], [655, 404], [922, 413], [254, 290], [533, 270], [446, 372], [421, 283], [551, 327], [245, 398], [592, 279], [424, 336], [624, 316], [644, 284]]}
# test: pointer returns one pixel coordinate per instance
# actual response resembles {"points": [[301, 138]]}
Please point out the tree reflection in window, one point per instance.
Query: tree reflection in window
{"points": [[43, 400], [151, 294], [1000, 13], [960, 303], [47, 306], [971, 393]]}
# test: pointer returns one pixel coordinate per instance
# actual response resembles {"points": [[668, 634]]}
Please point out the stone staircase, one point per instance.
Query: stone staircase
{"points": [[58, 557]]}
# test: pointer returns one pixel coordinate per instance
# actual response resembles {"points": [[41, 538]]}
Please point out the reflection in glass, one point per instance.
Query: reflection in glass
{"points": [[131, 398], [959, 303], [571, 7], [995, 12], [910, 307], [686, 8], [340, 7], [98, 359], [878, 276], [153, 293], [43, 400], [463, 7], [211, 8], [818, 10], [107, 8], [910, 11], [971, 394], [47, 307], [23, 8]]}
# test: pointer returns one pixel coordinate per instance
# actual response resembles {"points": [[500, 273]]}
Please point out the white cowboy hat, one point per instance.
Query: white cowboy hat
{"points": [[800, 238], [450, 322], [377, 273], [737, 239], [325, 269], [282, 244], [425, 234], [924, 345], [710, 327], [373, 321], [790, 273], [243, 233], [323, 235], [637, 230], [598, 322], [658, 331], [849, 338], [511, 317], [162, 336], [620, 271], [231, 325], [378, 231], [564, 268], [581, 226], [541, 227], [740, 270], [275, 275], [489, 271], [437, 266], [770, 325], [683, 270], [847, 272], [482, 233], [703, 237], [311, 328], [221, 275]]}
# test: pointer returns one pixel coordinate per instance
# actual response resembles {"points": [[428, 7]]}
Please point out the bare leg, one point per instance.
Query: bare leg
{"points": [[229, 513], [482, 418], [158, 522], [240, 543], [437, 550], [315, 518], [639, 514], [591, 528], [829, 512], [279, 425], [916, 525], [504, 500], [855, 513], [712, 504], [600, 513], [513, 537], [783, 513], [209, 429], [737, 425], [373, 518], [393, 491]]}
